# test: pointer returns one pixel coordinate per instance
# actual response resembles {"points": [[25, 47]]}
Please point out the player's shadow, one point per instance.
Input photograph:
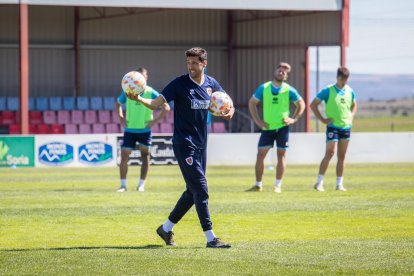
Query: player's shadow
{"points": [[149, 246]]}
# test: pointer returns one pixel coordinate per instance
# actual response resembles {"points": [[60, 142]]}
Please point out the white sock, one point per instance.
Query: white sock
{"points": [[339, 181], [123, 183], [168, 226], [319, 180], [278, 183], [141, 183], [259, 183], [209, 235]]}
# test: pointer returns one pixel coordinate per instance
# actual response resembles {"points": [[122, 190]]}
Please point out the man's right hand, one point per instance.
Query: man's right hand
{"points": [[262, 124], [326, 120], [122, 121], [133, 97]]}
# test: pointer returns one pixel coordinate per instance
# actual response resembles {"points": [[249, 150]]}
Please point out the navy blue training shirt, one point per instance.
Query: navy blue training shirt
{"points": [[191, 102]]}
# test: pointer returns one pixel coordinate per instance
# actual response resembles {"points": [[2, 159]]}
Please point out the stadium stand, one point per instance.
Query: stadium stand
{"points": [[8, 118], [104, 116], [166, 128], [31, 103], [90, 117], [69, 103], [13, 104], [14, 129], [85, 129], [2, 103], [98, 128], [71, 129], [42, 103], [96, 103], [77, 117], [115, 117], [49, 117], [63, 117], [219, 127], [112, 128], [109, 103], [43, 129], [35, 117], [55, 103], [82, 103], [57, 129]]}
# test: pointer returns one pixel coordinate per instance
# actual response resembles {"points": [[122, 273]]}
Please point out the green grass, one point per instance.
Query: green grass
{"points": [[64, 221], [376, 124]]}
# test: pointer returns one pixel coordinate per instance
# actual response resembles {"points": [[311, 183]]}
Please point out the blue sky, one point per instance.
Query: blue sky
{"points": [[381, 39]]}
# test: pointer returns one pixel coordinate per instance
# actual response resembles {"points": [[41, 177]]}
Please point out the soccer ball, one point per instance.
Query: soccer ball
{"points": [[220, 103], [134, 83]]}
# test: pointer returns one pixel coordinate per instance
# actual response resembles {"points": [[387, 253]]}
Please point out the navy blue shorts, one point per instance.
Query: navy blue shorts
{"points": [[130, 140], [268, 138], [336, 134]]}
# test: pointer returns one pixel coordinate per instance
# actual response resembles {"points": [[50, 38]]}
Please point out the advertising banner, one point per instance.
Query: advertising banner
{"points": [[75, 150], [161, 152], [17, 151]]}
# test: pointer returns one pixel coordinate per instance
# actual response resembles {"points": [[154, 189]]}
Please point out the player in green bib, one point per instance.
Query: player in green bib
{"points": [[276, 96], [137, 123], [340, 109]]}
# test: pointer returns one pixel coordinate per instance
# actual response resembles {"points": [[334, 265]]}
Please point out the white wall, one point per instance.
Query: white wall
{"points": [[309, 148]]}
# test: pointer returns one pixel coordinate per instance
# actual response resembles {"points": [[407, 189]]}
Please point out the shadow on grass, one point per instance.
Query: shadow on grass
{"points": [[149, 246]]}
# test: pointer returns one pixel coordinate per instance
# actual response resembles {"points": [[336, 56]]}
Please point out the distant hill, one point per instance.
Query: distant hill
{"points": [[370, 87]]}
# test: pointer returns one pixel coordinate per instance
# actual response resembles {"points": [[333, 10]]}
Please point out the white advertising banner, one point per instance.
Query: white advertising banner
{"points": [[81, 150]]}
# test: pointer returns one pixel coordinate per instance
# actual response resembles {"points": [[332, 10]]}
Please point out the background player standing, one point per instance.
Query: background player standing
{"points": [[276, 96], [137, 123], [340, 109]]}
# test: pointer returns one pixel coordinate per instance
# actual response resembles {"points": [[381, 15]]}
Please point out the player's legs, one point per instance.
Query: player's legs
{"points": [[342, 148], [128, 144], [266, 142], [144, 140], [332, 137], [259, 167], [282, 143]]}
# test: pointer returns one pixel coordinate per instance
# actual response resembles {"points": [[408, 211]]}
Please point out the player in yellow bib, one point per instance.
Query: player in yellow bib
{"points": [[340, 109], [137, 122], [276, 96]]}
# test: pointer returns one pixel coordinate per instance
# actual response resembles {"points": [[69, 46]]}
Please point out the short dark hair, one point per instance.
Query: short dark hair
{"points": [[343, 72], [197, 52], [141, 70], [284, 65]]}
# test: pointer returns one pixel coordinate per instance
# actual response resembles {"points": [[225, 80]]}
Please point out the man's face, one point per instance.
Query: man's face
{"points": [[341, 81], [195, 67], [281, 74]]}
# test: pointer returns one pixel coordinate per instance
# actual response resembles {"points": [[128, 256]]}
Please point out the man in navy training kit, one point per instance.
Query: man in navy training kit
{"points": [[191, 94]]}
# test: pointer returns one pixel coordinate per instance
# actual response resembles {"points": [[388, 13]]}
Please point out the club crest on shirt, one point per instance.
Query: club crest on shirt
{"points": [[189, 160], [209, 91], [192, 92], [330, 134]]}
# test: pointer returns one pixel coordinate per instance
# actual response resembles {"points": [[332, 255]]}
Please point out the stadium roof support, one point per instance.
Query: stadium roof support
{"points": [[294, 5]]}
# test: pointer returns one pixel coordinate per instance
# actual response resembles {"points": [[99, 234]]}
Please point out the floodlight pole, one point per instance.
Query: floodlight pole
{"points": [[344, 30], [24, 67], [76, 47]]}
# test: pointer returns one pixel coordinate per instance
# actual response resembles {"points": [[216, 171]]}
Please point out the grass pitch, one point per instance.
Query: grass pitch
{"points": [[71, 222]]}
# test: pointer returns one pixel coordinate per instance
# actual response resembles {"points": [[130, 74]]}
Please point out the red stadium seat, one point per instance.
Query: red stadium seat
{"points": [[112, 128], [32, 129], [219, 127], [71, 129], [155, 128], [43, 129], [77, 117], [115, 117], [8, 118], [35, 117], [57, 129], [90, 117], [98, 128], [49, 117], [104, 116], [85, 129], [14, 129], [63, 117], [166, 128]]}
